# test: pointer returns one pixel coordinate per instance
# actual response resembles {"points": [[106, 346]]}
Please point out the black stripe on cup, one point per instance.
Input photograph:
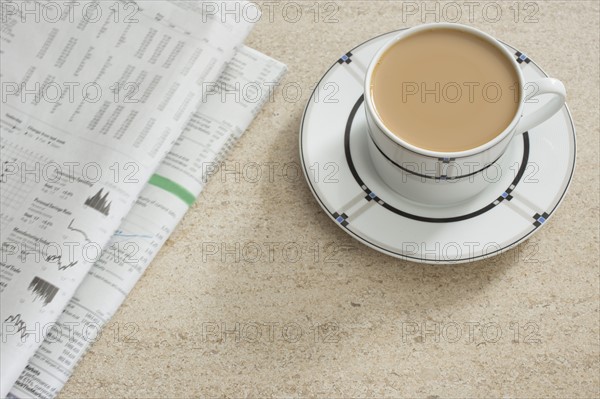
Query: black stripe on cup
{"points": [[443, 177]]}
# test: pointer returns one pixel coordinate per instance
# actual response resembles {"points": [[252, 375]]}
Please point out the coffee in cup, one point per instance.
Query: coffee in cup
{"points": [[443, 102], [445, 90]]}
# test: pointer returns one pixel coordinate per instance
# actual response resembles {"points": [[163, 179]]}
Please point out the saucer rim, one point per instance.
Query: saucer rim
{"points": [[422, 260]]}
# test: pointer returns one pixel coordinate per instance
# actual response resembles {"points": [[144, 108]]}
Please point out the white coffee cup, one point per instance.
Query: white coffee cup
{"points": [[441, 178]]}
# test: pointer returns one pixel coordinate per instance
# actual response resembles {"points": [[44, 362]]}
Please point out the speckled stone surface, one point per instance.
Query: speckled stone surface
{"points": [[230, 308]]}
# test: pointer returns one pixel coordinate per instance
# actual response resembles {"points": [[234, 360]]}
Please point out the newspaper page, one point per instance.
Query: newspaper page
{"points": [[94, 94], [220, 120]]}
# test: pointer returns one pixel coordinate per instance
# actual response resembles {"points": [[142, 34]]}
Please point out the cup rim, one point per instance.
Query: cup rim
{"points": [[441, 154]]}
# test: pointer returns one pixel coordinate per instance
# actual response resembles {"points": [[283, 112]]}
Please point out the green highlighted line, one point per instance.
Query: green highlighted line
{"points": [[173, 188]]}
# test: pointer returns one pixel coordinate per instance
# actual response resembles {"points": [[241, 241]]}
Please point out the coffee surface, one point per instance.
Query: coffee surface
{"points": [[445, 90]]}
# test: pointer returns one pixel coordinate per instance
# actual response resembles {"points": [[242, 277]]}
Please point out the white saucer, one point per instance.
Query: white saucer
{"points": [[534, 177]]}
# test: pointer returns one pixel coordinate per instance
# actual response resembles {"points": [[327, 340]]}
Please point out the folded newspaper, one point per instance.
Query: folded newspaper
{"points": [[113, 114]]}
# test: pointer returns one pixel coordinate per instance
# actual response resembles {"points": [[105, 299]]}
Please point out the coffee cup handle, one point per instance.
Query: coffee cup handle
{"points": [[542, 86]]}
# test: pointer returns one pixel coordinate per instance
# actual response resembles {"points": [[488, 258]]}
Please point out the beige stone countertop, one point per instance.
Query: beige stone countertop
{"points": [[334, 323]]}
